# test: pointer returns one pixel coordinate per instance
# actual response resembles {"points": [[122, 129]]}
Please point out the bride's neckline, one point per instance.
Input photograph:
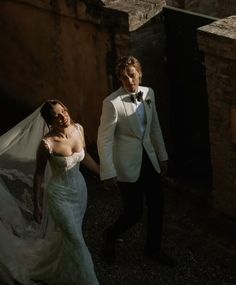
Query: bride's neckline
{"points": [[74, 153]]}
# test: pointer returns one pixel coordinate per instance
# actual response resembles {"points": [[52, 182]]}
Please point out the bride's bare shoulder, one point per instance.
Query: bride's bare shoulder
{"points": [[79, 128], [47, 141], [50, 136]]}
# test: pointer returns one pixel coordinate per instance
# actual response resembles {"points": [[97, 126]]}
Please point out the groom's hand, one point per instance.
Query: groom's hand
{"points": [[164, 168], [110, 184]]}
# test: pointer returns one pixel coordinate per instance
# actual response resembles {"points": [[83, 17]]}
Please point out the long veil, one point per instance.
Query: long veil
{"points": [[18, 149]]}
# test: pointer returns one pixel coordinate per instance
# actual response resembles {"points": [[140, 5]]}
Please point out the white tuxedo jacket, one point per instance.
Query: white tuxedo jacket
{"points": [[120, 141]]}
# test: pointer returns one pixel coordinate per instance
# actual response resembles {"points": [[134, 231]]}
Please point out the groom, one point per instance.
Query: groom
{"points": [[133, 158]]}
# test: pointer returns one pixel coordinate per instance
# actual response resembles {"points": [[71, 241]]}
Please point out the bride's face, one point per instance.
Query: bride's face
{"points": [[61, 117]]}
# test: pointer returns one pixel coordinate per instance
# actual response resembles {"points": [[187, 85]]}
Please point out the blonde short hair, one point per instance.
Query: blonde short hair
{"points": [[125, 62]]}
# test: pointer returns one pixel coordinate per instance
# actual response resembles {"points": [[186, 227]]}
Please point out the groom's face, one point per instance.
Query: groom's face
{"points": [[130, 79]]}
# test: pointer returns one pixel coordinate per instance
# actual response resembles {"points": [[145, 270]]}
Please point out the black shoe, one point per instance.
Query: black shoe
{"points": [[161, 258], [108, 249]]}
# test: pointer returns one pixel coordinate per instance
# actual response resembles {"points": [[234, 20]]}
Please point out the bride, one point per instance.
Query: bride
{"points": [[51, 248]]}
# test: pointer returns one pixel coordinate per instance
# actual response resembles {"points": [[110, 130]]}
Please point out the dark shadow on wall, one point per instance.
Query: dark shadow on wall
{"points": [[188, 98], [11, 112]]}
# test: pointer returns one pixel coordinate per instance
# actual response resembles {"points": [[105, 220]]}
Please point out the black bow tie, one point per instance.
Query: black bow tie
{"points": [[137, 96]]}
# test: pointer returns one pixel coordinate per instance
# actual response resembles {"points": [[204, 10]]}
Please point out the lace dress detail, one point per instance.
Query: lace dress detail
{"points": [[66, 260]]}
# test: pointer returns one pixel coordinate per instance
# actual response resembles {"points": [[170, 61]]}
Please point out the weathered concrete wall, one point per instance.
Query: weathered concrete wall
{"points": [[218, 41], [138, 12], [214, 8], [54, 51]]}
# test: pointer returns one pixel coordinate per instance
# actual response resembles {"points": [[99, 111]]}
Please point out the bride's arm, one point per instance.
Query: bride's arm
{"points": [[90, 163], [41, 161]]}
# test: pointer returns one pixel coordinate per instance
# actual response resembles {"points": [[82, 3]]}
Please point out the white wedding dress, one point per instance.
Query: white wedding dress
{"points": [[54, 252]]}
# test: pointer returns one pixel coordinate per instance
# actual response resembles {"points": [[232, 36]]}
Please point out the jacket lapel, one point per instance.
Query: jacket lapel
{"points": [[148, 111]]}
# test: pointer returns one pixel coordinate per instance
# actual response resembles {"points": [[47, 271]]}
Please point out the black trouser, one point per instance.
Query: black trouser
{"points": [[147, 188]]}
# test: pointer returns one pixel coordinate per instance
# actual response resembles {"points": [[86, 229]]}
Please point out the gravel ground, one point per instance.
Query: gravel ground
{"points": [[202, 241]]}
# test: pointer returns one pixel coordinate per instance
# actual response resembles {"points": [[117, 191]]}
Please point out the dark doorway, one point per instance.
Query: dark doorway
{"points": [[190, 155]]}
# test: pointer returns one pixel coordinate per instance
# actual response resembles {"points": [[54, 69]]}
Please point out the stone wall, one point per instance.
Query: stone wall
{"points": [[51, 49], [138, 12], [214, 8], [66, 50], [218, 41]]}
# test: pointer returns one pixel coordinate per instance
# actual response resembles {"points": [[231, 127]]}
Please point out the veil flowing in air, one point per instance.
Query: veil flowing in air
{"points": [[18, 148]]}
